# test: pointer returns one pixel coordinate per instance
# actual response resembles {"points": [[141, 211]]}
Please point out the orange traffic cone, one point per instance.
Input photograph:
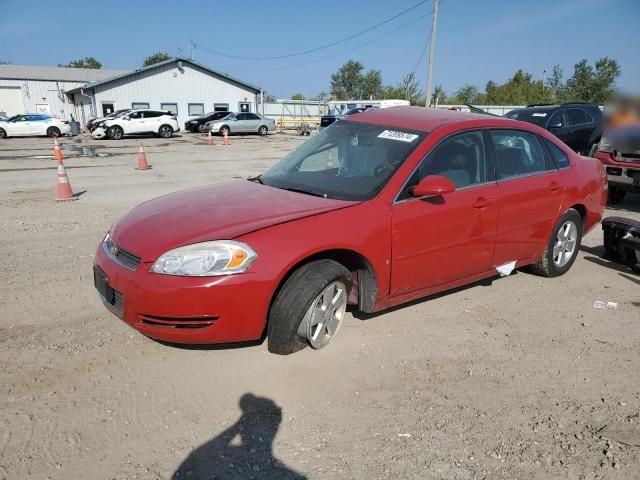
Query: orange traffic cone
{"points": [[57, 151], [226, 139], [63, 189], [142, 159], [210, 139]]}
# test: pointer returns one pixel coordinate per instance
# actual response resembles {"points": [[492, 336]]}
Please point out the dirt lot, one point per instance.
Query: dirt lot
{"points": [[515, 378]]}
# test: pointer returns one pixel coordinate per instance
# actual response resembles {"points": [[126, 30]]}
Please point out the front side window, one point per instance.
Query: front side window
{"points": [[19, 118], [461, 158], [577, 116], [170, 107], [557, 120], [517, 154], [135, 115], [348, 161], [241, 116]]}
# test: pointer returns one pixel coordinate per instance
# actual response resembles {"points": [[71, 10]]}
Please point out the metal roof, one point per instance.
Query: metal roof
{"points": [[167, 62], [64, 74]]}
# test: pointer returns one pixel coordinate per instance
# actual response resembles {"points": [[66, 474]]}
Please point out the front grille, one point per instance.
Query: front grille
{"points": [[177, 322], [128, 259]]}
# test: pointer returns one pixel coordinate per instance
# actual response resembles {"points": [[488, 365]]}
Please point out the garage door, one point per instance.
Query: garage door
{"points": [[11, 101]]}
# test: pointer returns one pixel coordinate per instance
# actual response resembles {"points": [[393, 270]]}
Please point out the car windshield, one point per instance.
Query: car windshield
{"points": [[537, 118], [348, 161]]}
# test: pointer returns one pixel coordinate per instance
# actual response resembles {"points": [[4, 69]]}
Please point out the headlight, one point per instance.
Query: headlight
{"points": [[222, 257], [604, 145]]}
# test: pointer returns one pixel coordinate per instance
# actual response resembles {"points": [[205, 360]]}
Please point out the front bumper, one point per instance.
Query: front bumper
{"points": [[190, 310], [99, 132], [623, 173]]}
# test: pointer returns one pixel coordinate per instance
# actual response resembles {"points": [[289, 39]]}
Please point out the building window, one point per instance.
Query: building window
{"points": [[196, 109], [220, 107], [245, 107], [170, 107], [137, 105]]}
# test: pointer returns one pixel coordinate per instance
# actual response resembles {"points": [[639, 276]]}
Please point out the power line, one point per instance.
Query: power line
{"points": [[402, 27], [322, 47]]}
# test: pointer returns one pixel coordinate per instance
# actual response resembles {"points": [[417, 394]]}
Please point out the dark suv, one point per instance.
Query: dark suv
{"points": [[198, 124], [579, 125]]}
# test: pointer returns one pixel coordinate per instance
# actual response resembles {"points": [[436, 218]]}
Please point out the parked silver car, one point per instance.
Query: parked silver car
{"points": [[242, 123]]}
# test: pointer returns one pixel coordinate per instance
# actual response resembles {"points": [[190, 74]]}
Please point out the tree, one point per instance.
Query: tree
{"points": [[467, 94], [589, 85], [346, 82], [371, 85], [156, 58], [297, 96], [86, 62], [3, 62], [439, 95], [555, 85], [321, 97]]}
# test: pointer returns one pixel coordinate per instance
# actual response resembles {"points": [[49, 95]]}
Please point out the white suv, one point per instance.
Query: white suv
{"points": [[137, 122]]}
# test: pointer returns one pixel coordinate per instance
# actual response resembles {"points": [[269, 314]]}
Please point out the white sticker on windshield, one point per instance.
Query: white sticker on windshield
{"points": [[400, 136], [538, 114]]}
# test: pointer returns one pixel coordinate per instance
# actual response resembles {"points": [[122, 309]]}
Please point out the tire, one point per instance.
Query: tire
{"points": [[616, 194], [53, 132], [297, 297], [262, 131], [115, 133], [165, 131], [223, 129], [3, 133], [202, 128], [556, 260], [593, 150]]}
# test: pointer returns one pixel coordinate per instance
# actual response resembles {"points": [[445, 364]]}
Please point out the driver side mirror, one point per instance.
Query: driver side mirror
{"points": [[433, 186], [556, 125]]}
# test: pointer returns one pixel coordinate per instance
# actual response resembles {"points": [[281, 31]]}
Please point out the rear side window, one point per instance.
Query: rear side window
{"points": [[560, 158], [577, 116], [252, 116], [518, 154]]}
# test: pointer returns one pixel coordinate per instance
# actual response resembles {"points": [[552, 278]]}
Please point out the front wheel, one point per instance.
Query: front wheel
{"points": [[310, 307], [115, 133], [225, 131], [53, 132], [616, 194], [165, 131], [562, 249], [202, 128], [3, 133], [262, 131]]}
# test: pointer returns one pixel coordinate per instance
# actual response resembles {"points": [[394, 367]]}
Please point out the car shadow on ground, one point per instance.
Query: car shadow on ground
{"points": [[487, 282], [598, 257], [630, 204], [244, 450]]}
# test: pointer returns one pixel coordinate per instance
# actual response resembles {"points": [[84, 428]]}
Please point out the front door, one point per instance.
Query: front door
{"points": [[580, 127], [107, 109], [240, 125], [439, 240], [531, 192]]}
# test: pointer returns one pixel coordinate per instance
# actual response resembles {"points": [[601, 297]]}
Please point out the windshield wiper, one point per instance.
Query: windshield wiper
{"points": [[306, 192]]}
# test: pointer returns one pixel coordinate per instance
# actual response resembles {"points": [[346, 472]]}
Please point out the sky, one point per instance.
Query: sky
{"points": [[477, 40]]}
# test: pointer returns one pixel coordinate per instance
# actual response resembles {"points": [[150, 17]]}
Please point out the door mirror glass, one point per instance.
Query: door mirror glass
{"points": [[556, 125], [433, 186]]}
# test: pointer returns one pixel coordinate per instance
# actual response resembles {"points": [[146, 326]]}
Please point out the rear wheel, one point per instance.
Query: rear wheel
{"points": [[616, 194], [53, 132], [262, 131], [165, 131], [309, 308], [562, 249], [3, 133], [115, 133]]}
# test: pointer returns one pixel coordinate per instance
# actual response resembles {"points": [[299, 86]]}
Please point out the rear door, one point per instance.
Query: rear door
{"points": [[253, 122], [439, 240], [530, 195]]}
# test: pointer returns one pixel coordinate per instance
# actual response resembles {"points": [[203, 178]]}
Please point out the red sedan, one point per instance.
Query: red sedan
{"points": [[379, 209]]}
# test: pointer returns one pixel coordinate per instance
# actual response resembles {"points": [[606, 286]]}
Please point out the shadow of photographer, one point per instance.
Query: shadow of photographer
{"points": [[244, 450]]}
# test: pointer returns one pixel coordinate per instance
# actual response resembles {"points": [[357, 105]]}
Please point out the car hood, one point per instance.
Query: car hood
{"points": [[216, 212]]}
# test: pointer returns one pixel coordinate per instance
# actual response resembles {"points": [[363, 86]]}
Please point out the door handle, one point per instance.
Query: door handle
{"points": [[554, 186], [483, 202]]}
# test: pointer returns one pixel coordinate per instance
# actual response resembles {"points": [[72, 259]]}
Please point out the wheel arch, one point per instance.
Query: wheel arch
{"points": [[582, 210], [364, 275]]}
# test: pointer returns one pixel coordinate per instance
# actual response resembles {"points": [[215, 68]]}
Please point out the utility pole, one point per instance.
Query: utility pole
{"points": [[432, 51], [190, 50]]}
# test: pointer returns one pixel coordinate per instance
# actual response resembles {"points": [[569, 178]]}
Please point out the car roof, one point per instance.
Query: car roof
{"points": [[425, 119]]}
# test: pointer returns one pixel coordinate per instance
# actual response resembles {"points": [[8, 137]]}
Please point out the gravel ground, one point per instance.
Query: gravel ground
{"points": [[518, 377]]}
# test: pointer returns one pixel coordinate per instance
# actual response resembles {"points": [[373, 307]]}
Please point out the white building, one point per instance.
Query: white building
{"points": [[181, 86], [34, 89]]}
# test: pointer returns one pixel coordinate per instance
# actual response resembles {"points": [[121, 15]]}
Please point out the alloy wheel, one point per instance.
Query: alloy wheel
{"points": [[565, 245], [324, 317]]}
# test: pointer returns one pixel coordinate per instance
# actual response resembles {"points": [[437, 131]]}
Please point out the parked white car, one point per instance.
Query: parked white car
{"points": [[33, 124], [137, 122]]}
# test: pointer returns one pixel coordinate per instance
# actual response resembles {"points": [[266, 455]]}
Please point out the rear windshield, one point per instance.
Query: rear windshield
{"points": [[537, 118], [348, 161]]}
